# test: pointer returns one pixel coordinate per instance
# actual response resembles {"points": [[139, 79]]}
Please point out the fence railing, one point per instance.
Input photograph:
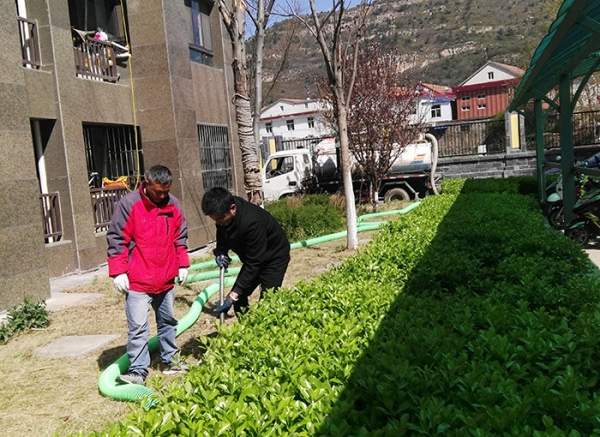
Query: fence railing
{"points": [[476, 137], [480, 137], [103, 205], [30, 42], [281, 144], [586, 130], [94, 59], [51, 217]]}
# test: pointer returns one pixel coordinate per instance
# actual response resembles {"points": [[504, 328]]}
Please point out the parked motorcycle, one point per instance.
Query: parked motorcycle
{"points": [[553, 208], [586, 225]]}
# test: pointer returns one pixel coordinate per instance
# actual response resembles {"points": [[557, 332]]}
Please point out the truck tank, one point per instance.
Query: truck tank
{"points": [[416, 157]]}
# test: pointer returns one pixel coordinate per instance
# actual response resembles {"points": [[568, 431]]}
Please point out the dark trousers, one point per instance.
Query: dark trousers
{"points": [[269, 279]]}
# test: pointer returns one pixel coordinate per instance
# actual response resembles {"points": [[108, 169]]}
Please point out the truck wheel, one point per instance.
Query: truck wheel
{"points": [[396, 194]]}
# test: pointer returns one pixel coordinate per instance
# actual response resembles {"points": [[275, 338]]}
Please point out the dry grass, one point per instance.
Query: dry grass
{"points": [[43, 396]]}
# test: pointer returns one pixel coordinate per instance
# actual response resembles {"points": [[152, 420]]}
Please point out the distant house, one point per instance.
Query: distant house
{"points": [[293, 119], [435, 103], [486, 92]]}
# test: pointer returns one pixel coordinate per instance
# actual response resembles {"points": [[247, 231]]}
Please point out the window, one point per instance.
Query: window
{"points": [[311, 122], [281, 108], [465, 98], [466, 108], [306, 106], [436, 111], [269, 127], [107, 14], [290, 124], [111, 152], [491, 75], [481, 106], [480, 96], [465, 127], [201, 47], [279, 166], [215, 156]]}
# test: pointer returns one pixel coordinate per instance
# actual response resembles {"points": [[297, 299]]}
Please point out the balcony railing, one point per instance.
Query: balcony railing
{"points": [[51, 217], [30, 43], [94, 59], [103, 205]]}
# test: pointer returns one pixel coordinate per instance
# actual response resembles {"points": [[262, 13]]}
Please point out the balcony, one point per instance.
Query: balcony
{"points": [[103, 205], [30, 43], [96, 59], [51, 217]]}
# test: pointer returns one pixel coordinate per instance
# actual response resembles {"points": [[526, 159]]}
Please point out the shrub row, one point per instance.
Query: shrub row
{"points": [[465, 317], [306, 217]]}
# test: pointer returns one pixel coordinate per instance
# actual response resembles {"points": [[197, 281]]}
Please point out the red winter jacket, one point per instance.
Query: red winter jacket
{"points": [[147, 241]]}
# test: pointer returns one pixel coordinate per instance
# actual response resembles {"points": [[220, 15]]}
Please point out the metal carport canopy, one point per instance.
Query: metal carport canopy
{"points": [[569, 51], [570, 48]]}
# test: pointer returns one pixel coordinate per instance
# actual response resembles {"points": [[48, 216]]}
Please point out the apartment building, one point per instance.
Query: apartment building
{"points": [[93, 93]]}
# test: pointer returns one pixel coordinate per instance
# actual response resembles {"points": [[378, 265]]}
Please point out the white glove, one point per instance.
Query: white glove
{"points": [[121, 283], [183, 273]]}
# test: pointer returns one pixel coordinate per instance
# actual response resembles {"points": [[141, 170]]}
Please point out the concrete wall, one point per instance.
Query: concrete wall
{"points": [[172, 96], [24, 271], [503, 165], [491, 166]]}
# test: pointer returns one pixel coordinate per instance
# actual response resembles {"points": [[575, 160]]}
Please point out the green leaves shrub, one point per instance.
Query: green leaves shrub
{"points": [[310, 216], [29, 315], [467, 316]]}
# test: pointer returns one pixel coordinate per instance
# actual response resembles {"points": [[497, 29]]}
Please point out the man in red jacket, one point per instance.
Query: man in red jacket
{"points": [[147, 250]]}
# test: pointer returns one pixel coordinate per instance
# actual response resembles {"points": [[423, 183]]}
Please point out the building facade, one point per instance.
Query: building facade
{"points": [[93, 93], [293, 119], [435, 103], [487, 91]]}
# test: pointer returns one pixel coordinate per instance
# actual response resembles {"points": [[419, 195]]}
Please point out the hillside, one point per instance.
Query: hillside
{"points": [[445, 41]]}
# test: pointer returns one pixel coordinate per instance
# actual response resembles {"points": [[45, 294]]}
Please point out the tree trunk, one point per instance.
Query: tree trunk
{"points": [[235, 23], [351, 221]]}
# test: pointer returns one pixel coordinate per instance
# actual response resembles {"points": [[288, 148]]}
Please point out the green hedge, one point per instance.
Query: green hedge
{"points": [[465, 317], [306, 217]]}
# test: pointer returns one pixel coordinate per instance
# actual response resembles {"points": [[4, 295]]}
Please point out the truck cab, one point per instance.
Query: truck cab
{"points": [[285, 173]]}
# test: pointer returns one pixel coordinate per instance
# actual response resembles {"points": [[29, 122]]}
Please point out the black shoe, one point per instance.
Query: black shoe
{"points": [[132, 377]]}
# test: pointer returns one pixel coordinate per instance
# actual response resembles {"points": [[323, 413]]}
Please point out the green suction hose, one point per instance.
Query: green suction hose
{"points": [[133, 392]]}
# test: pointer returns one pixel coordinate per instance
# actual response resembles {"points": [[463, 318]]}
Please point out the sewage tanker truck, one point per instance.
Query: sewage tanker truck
{"points": [[304, 171]]}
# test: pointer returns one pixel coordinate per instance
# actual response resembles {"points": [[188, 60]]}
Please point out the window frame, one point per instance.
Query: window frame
{"points": [[215, 156], [201, 47]]}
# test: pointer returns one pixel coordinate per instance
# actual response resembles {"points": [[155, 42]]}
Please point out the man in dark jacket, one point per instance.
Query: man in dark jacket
{"points": [[147, 250], [255, 236]]}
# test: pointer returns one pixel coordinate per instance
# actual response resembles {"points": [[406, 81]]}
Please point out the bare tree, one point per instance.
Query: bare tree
{"points": [[259, 13], [233, 17], [381, 114], [337, 34]]}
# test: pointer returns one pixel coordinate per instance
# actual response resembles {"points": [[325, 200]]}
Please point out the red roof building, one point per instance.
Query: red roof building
{"points": [[487, 91]]}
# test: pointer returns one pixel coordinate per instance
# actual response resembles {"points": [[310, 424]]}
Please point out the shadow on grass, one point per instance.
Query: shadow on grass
{"points": [[444, 347]]}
